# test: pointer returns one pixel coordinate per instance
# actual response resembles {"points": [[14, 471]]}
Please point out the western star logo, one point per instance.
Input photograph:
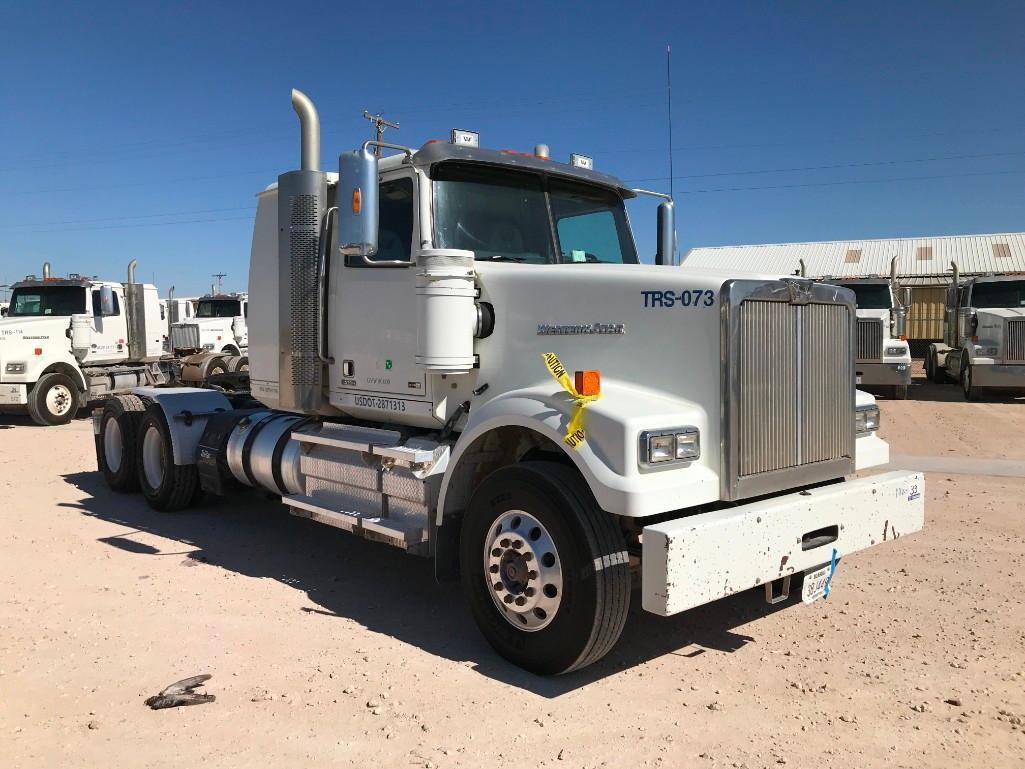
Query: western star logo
{"points": [[550, 329]]}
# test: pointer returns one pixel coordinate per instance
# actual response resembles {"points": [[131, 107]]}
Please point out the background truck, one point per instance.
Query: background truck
{"points": [[882, 357], [66, 341], [983, 334], [457, 352], [217, 324], [175, 309]]}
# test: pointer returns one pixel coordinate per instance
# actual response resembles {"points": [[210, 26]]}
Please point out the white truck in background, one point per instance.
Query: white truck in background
{"points": [[175, 309], [882, 356], [67, 341], [3, 309], [983, 334], [456, 351], [218, 324]]}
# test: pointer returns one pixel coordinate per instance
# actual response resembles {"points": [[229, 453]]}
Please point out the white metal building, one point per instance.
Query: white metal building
{"points": [[924, 264]]}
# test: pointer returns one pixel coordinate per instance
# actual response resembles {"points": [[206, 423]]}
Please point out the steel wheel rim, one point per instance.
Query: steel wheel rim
{"points": [[113, 445], [153, 457], [58, 400], [523, 571]]}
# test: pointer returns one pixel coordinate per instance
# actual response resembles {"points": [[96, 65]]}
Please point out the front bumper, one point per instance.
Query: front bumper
{"points": [[13, 394], [701, 558], [997, 375], [883, 373]]}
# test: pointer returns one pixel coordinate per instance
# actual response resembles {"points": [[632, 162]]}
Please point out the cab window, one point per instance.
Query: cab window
{"points": [[395, 223]]}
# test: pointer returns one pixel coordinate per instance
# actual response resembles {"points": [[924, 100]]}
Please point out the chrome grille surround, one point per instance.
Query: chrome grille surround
{"points": [[1015, 341], [787, 385], [870, 340]]}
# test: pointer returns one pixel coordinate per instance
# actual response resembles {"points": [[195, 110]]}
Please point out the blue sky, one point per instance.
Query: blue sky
{"points": [[137, 131]]}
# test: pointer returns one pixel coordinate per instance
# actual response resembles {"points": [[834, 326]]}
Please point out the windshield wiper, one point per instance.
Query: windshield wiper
{"points": [[502, 258]]}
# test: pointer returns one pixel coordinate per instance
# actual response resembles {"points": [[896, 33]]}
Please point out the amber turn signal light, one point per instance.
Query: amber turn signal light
{"points": [[587, 382]]}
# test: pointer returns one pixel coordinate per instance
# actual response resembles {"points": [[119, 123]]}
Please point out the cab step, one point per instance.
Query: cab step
{"points": [[407, 534]]}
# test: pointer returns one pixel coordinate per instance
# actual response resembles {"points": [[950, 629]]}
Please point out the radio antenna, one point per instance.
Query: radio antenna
{"points": [[669, 101]]}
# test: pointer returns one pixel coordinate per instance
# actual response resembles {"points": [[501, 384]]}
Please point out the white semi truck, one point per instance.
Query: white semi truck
{"points": [[456, 351], [66, 341], [175, 309], [882, 357], [983, 334], [217, 324]]}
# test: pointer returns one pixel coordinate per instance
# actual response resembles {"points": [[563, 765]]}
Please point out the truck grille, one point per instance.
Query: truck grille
{"points": [[790, 390], [1015, 341], [185, 337], [870, 340]]}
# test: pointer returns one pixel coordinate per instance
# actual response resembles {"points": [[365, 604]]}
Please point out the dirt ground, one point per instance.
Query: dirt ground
{"points": [[331, 651]]}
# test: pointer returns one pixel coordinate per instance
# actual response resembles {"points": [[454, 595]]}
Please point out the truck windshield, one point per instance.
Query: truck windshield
{"points": [[218, 308], [870, 296], [47, 300], [516, 216], [1002, 293]]}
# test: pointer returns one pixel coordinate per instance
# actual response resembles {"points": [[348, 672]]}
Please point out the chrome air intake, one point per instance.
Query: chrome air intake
{"points": [[302, 199]]}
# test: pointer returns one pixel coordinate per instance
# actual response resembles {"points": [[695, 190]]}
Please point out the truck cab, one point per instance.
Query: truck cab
{"points": [[211, 323], [59, 332], [458, 352], [882, 355], [983, 334]]}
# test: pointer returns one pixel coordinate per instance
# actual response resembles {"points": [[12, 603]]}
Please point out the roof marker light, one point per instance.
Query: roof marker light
{"points": [[463, 138], [582, 161]]}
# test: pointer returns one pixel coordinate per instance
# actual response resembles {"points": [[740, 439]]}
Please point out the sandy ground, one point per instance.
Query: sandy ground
{"points": [[330, 651]]}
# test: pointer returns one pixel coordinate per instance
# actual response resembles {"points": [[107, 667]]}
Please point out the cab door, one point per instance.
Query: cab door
{"points": [[110, 333], [373, 317]]}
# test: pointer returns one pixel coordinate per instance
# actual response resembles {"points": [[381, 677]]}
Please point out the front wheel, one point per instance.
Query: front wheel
{"points": [[933, 371], [968, 387], [166, 486], [545, 570], [54, 400]]}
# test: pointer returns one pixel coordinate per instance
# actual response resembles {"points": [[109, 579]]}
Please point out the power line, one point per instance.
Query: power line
{"points": [[833, 166], [124, 218], [856, 181], [144, 224]]}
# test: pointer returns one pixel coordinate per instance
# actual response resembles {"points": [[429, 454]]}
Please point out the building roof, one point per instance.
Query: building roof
{"points": [[922, 261]]}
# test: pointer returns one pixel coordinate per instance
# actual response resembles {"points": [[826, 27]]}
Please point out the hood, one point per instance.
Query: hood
{"points": [[1008, 313], [34, 327]]}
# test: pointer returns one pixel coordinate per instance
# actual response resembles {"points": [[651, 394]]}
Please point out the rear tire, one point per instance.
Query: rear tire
{"points": [[558, 611], [166, 486], [117, 443], [54, 400]]}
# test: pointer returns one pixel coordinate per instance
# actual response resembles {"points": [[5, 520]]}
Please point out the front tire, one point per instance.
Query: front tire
{"points": [[117, 444], [166, 486], [968, 388], [545, 570], [54, 400], [935, 374]]}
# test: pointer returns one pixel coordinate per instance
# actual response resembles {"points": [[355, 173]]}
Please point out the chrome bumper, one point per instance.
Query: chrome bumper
{"points": [[701, 558], [998, 375], [882, 373]]}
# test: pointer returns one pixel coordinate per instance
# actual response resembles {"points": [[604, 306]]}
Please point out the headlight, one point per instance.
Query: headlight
{"points": [[14, 368], [208, 346], [895, 350], [866, 419], [681, 444], [980, 350]]}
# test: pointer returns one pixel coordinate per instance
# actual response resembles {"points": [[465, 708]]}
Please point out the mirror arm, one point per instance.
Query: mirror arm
{"points": [[401, 147], [662, 195]]}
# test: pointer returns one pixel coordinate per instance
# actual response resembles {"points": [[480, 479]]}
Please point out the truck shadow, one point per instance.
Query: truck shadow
{"points": [[388, 591]]}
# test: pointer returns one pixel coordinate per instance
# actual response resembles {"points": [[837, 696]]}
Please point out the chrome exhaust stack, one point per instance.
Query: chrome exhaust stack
{"points": [[46, 270], [302, 204]]}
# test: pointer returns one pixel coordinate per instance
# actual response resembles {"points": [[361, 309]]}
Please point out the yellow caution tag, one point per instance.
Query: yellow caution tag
{"points": [[575, 429]]}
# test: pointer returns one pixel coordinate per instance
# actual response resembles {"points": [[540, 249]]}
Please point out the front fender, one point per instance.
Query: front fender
{"points": [[62, 360], [608, 457]]}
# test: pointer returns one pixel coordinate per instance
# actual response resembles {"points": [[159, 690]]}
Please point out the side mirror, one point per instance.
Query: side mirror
{"points": [[357, 203], [106, 301], [666, 253]]}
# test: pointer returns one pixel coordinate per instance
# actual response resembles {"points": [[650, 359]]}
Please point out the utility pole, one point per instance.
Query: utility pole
{"points": [[219, 276], [380, 123]]}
